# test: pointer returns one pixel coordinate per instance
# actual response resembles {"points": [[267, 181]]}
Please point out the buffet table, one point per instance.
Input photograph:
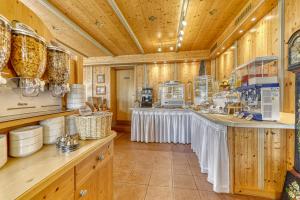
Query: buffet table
{"points": [[230, 150]]}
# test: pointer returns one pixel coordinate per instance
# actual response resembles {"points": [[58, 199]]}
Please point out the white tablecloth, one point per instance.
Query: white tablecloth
{"points": [[209, 142], [208, 139], [163, 126]]}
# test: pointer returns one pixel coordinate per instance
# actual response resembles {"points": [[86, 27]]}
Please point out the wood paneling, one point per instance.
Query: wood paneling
{"points": [[162, 30], [225, 65], [182, 56], [258, 170], [99, 20], [261, 40]]}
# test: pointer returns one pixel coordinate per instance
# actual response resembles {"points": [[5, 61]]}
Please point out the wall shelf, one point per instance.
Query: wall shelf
{"points": [[23, 119]]}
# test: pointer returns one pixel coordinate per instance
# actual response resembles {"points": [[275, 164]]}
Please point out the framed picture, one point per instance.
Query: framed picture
{"points": [[101, 78], [100, 90]]}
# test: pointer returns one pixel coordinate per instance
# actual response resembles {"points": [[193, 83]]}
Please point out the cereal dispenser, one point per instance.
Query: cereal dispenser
{"points": [[5, 44], [58, 68], [28, 58]]}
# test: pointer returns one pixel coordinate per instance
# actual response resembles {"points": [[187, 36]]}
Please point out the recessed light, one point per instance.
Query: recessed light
{"points": [[241, 31], [253, 30], [159, 49], [179, 44], [180, 38], [218, 53], [181, 32], [253, 19], [184, 23], [171, 48], [223, 48]]}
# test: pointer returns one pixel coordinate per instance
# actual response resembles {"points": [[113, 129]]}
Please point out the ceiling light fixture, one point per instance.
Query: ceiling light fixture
{"points": [[171, 48], [181, 32], [159, 49], [241, 31], [179, 44], [180, 38], [223, 48], [184, 23], [253, 19], [253, 30], [218, 53]]}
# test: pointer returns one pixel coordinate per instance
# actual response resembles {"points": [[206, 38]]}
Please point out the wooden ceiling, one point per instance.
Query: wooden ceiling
{"points": [[153, 22]]}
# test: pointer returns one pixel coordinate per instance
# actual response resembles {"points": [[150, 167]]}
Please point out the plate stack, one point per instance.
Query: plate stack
{"points": [[25, 141], [71, 128], [53, 128], [3, 150], [76, 98]]}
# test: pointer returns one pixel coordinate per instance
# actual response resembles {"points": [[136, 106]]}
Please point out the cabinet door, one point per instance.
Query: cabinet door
{"points": [[105, 180], [89, 189]]}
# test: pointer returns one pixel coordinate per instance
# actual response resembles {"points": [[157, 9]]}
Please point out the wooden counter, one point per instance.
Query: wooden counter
{"points": [[25, 178]]}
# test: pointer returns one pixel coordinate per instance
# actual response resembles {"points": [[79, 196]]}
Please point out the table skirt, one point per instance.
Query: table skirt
{"points": [[163, 126], [209, 142]]}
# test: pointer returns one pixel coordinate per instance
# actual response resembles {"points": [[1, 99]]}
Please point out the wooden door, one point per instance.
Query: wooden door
{"points": [[125, 94]]}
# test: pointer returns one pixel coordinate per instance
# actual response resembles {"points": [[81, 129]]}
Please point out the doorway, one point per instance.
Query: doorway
{"points": [[125, 94]]}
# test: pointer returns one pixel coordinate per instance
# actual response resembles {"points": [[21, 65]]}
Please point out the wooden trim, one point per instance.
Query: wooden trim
{"points": [[18, 122], [148, 58]]}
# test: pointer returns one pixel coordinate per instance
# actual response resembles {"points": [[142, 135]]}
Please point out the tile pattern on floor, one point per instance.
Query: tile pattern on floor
{"points": [[161, 172]]}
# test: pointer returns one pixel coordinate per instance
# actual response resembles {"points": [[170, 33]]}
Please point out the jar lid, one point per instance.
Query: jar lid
{"points": [[5, 21], [56, 48], [23, 29]]}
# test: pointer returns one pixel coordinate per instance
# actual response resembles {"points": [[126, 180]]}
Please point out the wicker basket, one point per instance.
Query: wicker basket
{"points": [[96, 126]]}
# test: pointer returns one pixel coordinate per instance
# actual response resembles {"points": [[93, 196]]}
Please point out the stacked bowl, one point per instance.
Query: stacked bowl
{"points": [[53, 128], [77, 97], [3, 150], [25, 141]]}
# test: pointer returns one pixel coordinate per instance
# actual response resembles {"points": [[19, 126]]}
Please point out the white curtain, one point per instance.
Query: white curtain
{"points": [[163, 126]]}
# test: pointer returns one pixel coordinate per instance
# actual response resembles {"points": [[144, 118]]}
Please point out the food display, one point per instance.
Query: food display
{"points": [[28, 58], [172, 94], [5, 44], [202, 89], [58, 64]]}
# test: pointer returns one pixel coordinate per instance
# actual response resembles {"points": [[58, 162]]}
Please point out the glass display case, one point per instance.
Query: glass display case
{"points": [[172, 94], [261, 70], [203, 89]]}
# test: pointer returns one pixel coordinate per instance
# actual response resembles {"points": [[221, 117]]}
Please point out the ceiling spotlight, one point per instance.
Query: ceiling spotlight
{"points": [[184, 23], [223, 48], [171, 48], [181, 32], [159, 49], [180, 38], [253, 19], [179, 44], [253, 30], [241, 31], [218, 53]]}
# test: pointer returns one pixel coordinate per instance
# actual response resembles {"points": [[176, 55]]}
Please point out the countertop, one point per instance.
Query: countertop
{"points": [[230, 120], [21, 175]]}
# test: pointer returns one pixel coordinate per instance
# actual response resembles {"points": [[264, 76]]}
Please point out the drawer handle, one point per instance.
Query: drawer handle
{"points": [[101, 157], [83, 193]]}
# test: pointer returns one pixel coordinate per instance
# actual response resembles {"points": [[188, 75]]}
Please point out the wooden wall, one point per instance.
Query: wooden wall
{"points": [[15, 10], [225, 65]]}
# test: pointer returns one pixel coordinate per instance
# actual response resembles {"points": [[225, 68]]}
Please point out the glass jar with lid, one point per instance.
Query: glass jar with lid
{"points": [[58, 70], [28, 57], [5, 44]]}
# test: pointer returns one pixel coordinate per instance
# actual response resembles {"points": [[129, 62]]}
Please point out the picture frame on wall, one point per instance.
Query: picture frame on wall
{"points": [[101, 78], [100, 90]]}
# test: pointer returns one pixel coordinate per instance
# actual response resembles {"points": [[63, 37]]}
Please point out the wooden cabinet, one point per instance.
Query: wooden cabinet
{"points": [[90, 179], [61, 189]]}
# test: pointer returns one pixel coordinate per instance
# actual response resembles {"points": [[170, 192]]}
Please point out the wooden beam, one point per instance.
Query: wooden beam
{"points": [[121, 17], [65, 30], [148, 58], [257, 9]]}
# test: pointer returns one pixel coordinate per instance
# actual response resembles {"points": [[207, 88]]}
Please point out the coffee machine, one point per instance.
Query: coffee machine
{"points": [[147, 97]]}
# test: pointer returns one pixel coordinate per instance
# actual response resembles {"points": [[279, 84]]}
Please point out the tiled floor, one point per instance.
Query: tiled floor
{"points": [[160, 172]]}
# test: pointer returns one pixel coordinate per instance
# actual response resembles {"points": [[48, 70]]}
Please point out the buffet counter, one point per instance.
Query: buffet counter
{"points": [[50, 173], [230, 150]]}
